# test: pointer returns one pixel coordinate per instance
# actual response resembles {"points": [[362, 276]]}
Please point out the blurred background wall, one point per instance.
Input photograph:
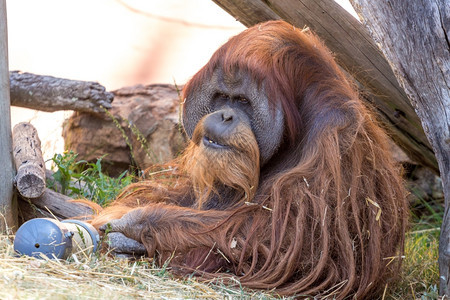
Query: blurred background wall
{"points": [[114, 42], [117, 43]]}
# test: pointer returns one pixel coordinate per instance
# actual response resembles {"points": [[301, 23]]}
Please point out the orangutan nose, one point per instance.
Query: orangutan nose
{"points": [[219, 126]]}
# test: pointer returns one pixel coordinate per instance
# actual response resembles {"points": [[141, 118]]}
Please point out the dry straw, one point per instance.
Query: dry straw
{"points": [[99, 277]]}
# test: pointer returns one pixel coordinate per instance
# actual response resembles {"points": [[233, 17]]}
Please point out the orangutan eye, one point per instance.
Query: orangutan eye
{"points": [[242, 100], [222, 96]]}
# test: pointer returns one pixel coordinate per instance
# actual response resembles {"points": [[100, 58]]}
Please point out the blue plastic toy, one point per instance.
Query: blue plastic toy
{"points": [[55, 239]]}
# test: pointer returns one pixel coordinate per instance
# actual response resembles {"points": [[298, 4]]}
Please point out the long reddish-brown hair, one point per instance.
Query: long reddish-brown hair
{"points": [[326, 216]]}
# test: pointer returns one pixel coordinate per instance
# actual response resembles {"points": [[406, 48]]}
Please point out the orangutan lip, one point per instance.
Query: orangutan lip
{"points": [[208, 142]]}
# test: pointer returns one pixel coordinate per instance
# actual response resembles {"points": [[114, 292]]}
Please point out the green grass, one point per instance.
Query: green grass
{"points": [[419, 275], [420, 271]]}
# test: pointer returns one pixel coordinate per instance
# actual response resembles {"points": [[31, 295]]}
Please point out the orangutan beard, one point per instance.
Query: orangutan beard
{"points": [[218, 172]]}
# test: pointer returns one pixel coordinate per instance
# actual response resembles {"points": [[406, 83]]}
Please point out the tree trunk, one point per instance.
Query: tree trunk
{"points": [[8, 204], [356, 53], [414, 37], [49, 93]]}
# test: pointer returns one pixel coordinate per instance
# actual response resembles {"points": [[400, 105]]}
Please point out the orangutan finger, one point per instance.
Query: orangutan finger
{"points": [[112, 226], [120, 244]]}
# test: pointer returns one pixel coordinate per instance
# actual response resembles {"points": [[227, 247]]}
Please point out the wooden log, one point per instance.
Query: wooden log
{"points": [[356, 53], [30, 166], [49, 93], [8, 204], [414, 37], [50, 205]]}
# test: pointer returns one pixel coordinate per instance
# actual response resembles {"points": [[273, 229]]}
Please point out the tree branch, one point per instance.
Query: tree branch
{"points": [[50, 205], [49, 93]]}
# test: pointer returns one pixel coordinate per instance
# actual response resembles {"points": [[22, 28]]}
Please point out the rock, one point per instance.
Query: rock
{"points": [[426, 184], [142, 129], [398, 154]]}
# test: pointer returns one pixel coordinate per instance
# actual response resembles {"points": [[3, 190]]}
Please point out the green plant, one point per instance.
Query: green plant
{"points": [[138, 134], [122, 131], [65, 165], [142, 141], [180, 108], [81, 179], [430, 211]]}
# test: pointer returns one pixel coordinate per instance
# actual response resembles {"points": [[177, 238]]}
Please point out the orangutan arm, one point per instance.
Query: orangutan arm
{"points": [[164, 228]]}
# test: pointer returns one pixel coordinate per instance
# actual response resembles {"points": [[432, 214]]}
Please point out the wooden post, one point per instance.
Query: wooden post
{"points": [[30, 166], [414, 37], [8, 201]]}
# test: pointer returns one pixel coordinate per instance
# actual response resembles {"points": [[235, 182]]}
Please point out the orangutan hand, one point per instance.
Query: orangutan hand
{"points": [[124, 234]]}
